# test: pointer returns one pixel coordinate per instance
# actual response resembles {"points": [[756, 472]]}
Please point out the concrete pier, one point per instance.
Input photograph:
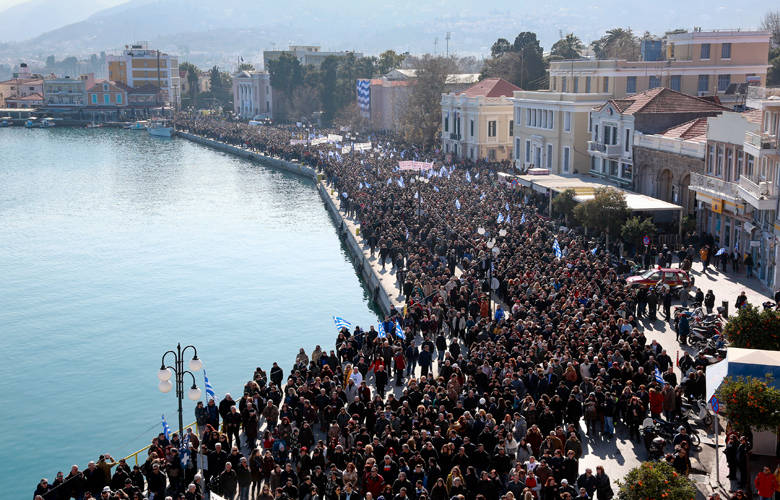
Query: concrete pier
{"points": [[381, 284]]}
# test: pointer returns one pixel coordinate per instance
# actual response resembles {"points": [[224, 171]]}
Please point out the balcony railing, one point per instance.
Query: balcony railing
{"points": [[612, 150], [596, 147], [454, 136], [763, 189], [761, 141], [714, 187]]}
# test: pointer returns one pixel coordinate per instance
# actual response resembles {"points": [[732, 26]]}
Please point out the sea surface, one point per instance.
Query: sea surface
{"points": [[114, 246]]}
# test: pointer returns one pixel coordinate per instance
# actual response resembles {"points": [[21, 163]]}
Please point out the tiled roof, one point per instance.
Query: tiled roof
{"points": [[753, 116], [691, 130], [663, 100], [32, 97], [491, 87]]}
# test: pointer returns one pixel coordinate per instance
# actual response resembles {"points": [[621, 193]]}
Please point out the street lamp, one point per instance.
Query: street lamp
{"points": [[165, 373]]}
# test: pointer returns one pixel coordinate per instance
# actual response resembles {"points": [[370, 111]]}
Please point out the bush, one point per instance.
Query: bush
{"points": [[754, 329], [635, 229], [655, 481], [749, 403]]}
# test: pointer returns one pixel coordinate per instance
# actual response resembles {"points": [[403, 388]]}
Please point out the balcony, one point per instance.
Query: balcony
{"points": [[610, 150], [714, 187], [758, 144], [596, 147], [454, 136], [762, 196]]}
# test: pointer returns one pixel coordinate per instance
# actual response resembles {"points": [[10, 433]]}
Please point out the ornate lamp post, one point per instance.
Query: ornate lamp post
{"points": [[178, 370]]}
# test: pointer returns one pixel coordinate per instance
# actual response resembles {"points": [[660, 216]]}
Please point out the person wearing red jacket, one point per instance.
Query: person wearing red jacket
{"points": [[373, 483], [766, 484], [656, 403]]}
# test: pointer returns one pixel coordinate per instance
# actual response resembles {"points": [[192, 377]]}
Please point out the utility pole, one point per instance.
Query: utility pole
{"points": [[447, 37], [436, 45]]}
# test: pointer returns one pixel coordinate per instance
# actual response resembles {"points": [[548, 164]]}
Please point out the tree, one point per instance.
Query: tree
{"points": [[286, 74], [655, 480], [749, 403], [754, 329], [521, 63], [773, 74], [500, 47], [635, 229], [246, 67], [389, 60], [192, 81], [569, 47], [563, 203], [617, 43], [605, 212], [421, 117], [771, 23]]}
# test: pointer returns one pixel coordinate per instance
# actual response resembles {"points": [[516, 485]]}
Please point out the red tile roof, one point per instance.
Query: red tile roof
{"points": [[663, 100], [691, 130], [490, 87], [753, 116]]}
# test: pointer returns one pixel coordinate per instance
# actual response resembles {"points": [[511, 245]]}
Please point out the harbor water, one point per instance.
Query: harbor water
{"points": [[114, 246]]}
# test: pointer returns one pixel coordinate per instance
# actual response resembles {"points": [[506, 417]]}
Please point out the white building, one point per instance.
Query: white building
{"points": [[66, 92], [252, 97], [308, 55], [139, 66]]}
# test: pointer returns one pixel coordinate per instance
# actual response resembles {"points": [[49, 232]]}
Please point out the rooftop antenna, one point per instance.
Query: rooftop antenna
{"points": [[447, 37]]}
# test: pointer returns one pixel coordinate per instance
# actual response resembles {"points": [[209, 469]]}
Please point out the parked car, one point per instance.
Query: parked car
{"points": [[673, 278]]}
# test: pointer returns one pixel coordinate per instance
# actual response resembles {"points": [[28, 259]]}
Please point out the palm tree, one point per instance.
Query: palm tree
{"points": [[569, 47]]}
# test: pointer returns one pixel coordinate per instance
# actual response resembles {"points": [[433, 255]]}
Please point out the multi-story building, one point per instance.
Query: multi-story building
{"points": [[204, 82], [700, 63], [308, 55], [139, 66], [27, 102], [551, 130], [107, 94], [389, 94], [478, 122], [252, 95], [612, 127], [66, 92], [20, 87]]}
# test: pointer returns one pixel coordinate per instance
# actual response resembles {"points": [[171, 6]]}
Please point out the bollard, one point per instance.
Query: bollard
{"points": [[724, 304]]}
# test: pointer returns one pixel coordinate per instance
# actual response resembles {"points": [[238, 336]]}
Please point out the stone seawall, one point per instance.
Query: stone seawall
{"points": [[371, 275]]}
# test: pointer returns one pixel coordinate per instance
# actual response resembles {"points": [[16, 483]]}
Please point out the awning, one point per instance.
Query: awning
{"points": [[744, 363]]}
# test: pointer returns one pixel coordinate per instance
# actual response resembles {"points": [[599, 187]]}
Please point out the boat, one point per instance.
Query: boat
{"points": [[160, 128], [5, 121], [34, 122], [93, 125], [31, 123], [46, 123], [139, 125]]}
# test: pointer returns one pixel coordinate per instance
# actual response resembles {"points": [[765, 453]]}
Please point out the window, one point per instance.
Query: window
{"points": [[491, 128], [527, 151], [725, 51], [719, 162], [705, 51], [723, 82], [627, 171], [566, 159], [587, 84], [552, 83], [740, 161], [606, 84], [567, 121], [655, 81], [704, 83], [710, 158], [749, 170], [631, 85], [549, 155], [593, 164], [613, 168], [94, 98], [447, 123], [575, 84], [511, 128], [563, 84], [119, 98], [528, 117], [517, 149], [105, 87], [729, 161], [596, 133], [471, 127], [628, 140], [675, 83], [106, 98]]}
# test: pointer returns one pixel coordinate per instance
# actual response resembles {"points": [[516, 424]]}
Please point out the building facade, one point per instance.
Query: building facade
{"points": [[18, 88], [308, 55], [140, 66], [107, 94], [66, 92], [698, 63], [252, 95], [478, 123], [551, 130]]}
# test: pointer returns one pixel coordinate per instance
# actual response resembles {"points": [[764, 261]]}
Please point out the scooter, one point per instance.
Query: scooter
{"points": [[696, 411]]}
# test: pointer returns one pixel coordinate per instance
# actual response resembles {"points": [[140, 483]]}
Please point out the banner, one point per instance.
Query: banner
{"points": [[345, 150], [362, 146], [318, 141], [335, 138], [293, 142], [414, 165]]}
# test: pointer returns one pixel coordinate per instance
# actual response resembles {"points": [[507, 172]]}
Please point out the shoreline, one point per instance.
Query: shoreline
{"points": [[381, 285]]}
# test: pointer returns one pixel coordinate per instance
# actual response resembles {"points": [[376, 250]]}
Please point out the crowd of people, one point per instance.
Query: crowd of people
{"points": [[462, 400]]}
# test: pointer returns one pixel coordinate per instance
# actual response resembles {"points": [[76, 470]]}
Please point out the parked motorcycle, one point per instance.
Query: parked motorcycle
{"points": [[695, 410]]}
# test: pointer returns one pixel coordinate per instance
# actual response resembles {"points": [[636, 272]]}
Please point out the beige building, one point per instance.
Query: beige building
{"points": [[140, 66], [700, 63], [478, 123], [551, 130], [17, 88]]}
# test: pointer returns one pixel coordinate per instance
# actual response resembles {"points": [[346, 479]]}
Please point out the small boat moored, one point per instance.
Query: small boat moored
{"points": [[160, 128], [139, 125], [6, 121]]}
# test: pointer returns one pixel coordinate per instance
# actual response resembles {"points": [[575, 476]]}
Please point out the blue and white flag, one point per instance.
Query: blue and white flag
{"points": [[367, 185], [184, 450], [482, 197], [436, 189], [658, 377], [401, 182], [476, 176], [407, 235], [522, 219], [389, 181], [209, 389], [341, 323], [364, 96], [457, 204], [399, 332], [468, 176], [557, 249], [416, 195], [166, 429], [507, 206], [381, 330], [500, 218], [593, 252]]}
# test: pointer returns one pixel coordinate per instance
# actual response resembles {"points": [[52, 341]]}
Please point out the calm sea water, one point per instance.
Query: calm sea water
{"points": [[114, 246]]}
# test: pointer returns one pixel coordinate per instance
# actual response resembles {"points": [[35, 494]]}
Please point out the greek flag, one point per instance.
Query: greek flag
{"points": [[367, 185], [341, 323], [435, 189], [508, 218], [381, 330], [399, 332], [166, 429], [522, 219], [557, 249], [482, 197], [457, 204], [401, 182], [416, 195], [184, 450], [658, 377], [593, 252], [364, 96], [500, 218], [407, 234], [507, 206], [468, 176], [209, 389], [476, 176]]}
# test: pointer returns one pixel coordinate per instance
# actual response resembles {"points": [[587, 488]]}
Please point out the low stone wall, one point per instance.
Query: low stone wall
{"points": [[379, 294]]}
